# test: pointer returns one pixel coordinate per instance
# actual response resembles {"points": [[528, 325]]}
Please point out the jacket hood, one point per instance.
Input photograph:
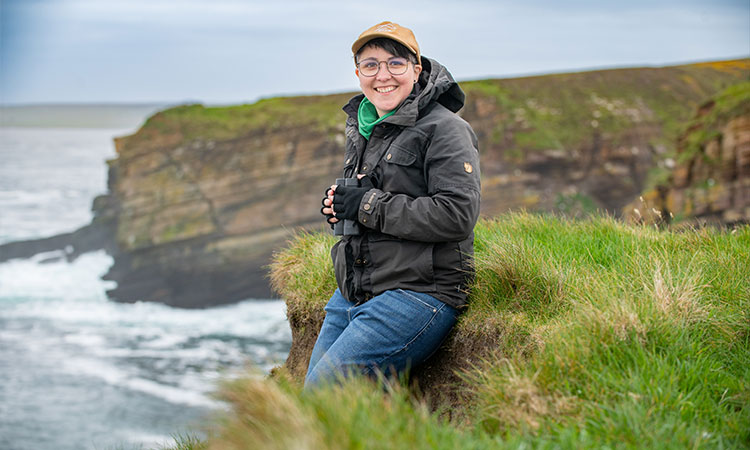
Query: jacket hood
{"points": [[436, 85]]}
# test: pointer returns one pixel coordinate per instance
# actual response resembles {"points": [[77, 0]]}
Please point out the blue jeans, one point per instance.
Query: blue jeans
{"points": [[391, 332]]}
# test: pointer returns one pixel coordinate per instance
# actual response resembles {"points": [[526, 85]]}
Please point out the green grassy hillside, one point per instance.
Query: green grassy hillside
{"points": [[560, 111], [586, 334]]}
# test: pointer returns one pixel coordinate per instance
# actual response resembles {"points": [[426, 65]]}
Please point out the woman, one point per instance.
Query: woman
{"points": [[402, 278]]}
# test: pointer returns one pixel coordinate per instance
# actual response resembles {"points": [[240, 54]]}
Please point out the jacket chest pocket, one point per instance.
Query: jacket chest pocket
{"points": [[400, 156], [403, 171]]}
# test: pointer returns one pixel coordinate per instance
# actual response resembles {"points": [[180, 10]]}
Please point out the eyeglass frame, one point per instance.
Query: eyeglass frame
{"points": [[387, 67]]}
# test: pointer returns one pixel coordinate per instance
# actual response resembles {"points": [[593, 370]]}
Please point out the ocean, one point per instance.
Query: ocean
{"points": [[78, 371]]}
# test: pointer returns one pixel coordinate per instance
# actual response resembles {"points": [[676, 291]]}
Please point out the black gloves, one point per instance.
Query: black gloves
{"points": [[346, 200]]}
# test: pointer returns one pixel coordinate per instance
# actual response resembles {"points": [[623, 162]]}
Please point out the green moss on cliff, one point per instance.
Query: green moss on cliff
{"points": [[565, 111], [316, 113]]}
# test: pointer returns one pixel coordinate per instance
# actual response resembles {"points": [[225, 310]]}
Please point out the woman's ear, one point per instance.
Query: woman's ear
{"points": [[417, 71]]}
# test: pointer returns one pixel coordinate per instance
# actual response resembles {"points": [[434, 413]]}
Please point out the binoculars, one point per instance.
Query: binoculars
{"points": [[346, 227]]}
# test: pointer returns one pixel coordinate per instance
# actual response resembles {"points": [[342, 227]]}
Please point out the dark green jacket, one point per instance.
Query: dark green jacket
{"points": [[417, 224]]}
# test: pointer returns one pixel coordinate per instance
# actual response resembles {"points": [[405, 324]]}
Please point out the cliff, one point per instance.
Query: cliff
{"points": [[199, 197], [204, 195], [710, 182]]}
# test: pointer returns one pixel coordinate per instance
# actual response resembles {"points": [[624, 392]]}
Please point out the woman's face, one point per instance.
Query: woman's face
{"points": [[385, 90]]}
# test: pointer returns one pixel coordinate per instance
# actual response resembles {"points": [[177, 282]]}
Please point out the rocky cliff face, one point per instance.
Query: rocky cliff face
{"points": [[710, 183], [201, 208], [587, 141], [200, 197]]}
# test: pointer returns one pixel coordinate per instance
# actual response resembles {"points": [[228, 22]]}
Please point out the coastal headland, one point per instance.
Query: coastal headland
{"points": [[200, 197]]}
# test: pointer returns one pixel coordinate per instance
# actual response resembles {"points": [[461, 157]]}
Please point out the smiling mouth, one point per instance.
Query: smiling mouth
{"points": [[385, 90]]}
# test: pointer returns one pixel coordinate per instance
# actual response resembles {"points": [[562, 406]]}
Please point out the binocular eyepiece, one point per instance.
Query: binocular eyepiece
{"points": [[346, 227]]}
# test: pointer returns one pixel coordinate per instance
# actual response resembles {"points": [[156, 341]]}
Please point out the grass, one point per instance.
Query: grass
{"points": [[303, 275], [357, 414], [596, 334], [194, 122], [319, 113], [187, 442]]}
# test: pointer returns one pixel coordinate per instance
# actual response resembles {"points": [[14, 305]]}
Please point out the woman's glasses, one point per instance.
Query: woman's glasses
{"points": [[371, 66]]}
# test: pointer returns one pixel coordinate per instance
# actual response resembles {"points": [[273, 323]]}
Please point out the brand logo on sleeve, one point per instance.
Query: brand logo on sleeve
{"points": [[468, 168]]}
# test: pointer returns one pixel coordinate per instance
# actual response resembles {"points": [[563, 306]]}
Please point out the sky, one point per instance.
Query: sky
{"points": [[237, 51]]}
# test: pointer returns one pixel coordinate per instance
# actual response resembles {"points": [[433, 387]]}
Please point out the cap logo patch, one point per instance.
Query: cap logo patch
{"points": [[468, 168], [385, 28]]}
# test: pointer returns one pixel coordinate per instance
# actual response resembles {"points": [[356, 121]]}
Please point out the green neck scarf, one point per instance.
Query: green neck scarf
{"points": [[367, 116]]}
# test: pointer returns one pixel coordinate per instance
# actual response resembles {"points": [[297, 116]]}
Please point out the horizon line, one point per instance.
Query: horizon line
{"points": [[157, 103]]}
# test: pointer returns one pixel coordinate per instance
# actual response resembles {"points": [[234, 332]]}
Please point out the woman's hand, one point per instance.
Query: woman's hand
{"points": [[327, 209], [328, 202], [346, 199]]}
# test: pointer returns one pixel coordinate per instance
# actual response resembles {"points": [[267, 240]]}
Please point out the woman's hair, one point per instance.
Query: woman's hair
{"points": [[391, 46]]}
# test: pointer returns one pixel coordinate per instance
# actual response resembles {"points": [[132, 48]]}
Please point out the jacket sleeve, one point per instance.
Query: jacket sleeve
{"points": [[450, 209]]}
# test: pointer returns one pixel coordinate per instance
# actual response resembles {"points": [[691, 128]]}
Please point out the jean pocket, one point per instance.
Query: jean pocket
{"points": [[402, 317], [413, 324], [426, 301]]}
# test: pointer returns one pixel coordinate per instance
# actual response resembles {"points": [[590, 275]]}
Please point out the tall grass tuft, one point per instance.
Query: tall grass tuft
{"points": [[303, 274], [264, 416], [357, 414]]}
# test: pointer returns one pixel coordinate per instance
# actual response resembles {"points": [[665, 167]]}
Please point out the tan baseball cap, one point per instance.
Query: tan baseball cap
{"points": [[389, 30]]}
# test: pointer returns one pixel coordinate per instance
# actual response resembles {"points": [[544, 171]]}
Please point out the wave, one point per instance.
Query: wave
{"points": [[113, 375], [58, 313]]}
